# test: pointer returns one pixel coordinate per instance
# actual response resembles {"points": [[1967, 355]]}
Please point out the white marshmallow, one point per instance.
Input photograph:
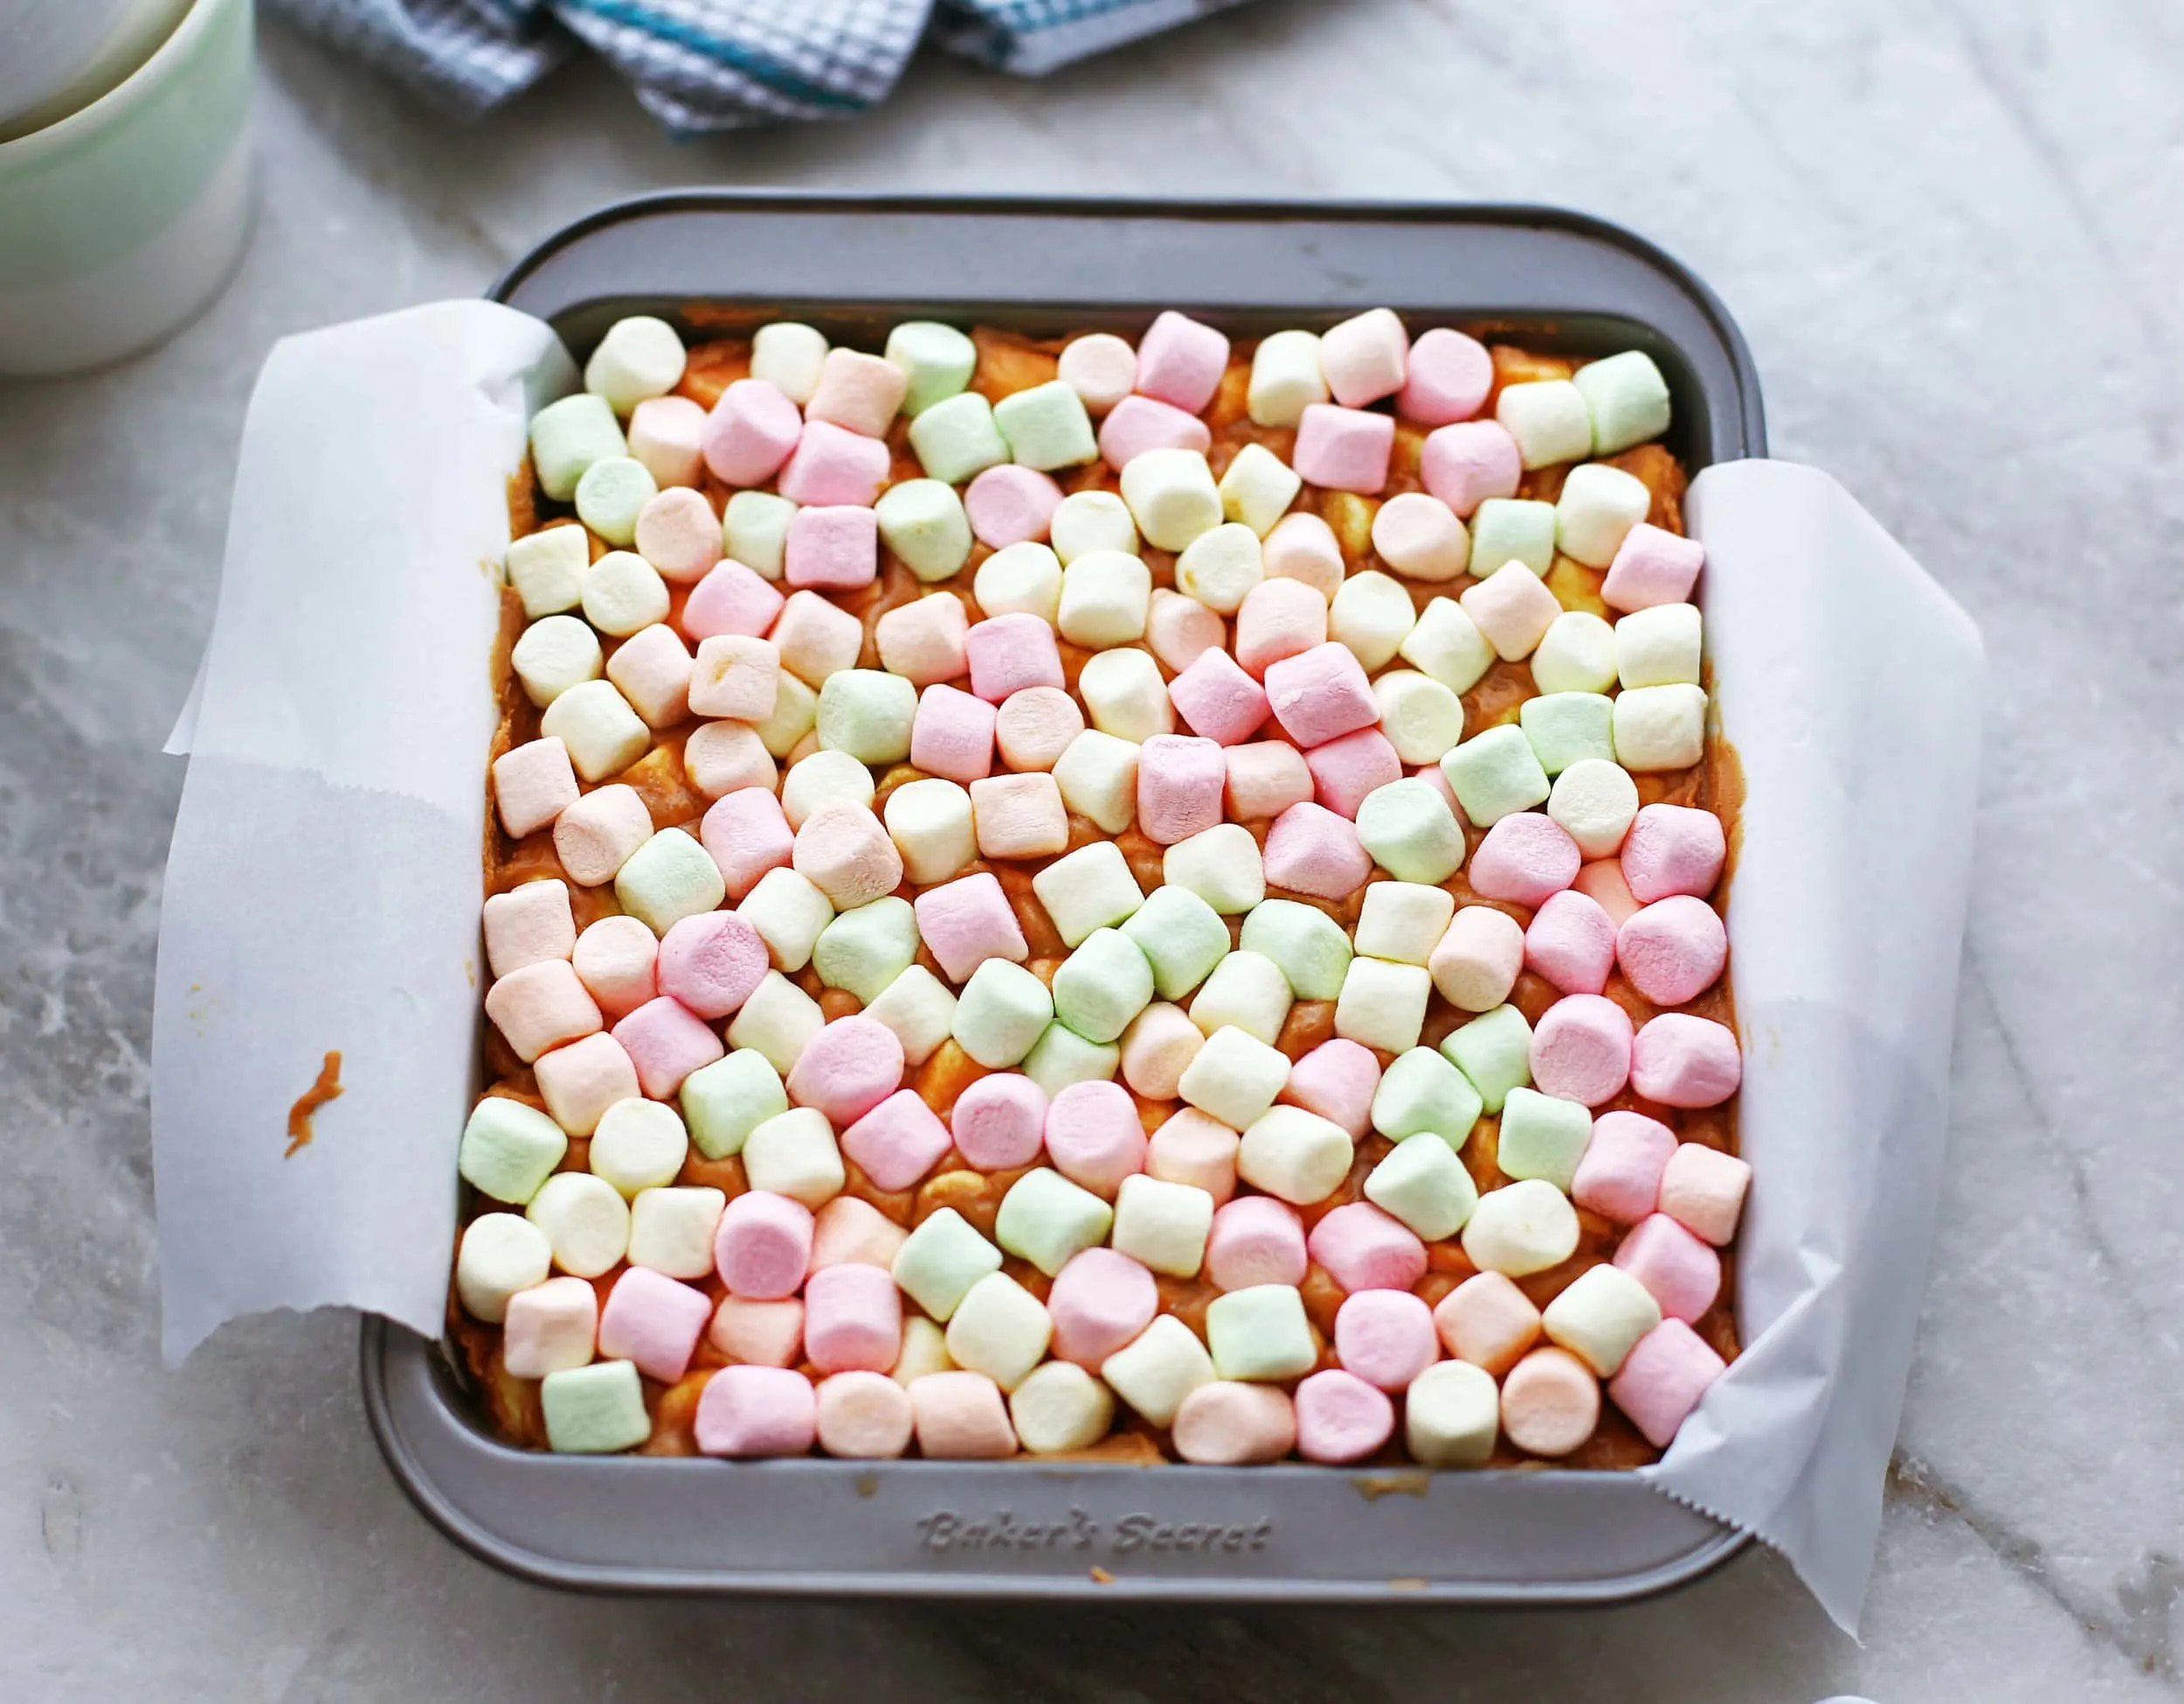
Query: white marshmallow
{"points": [[1383, 1005], [1257, 489], [788, 911], [622, 593], [1087, 521], [1656, 727], [755, 530], [1234, 1077], [778, 1020], [788, 357], [1219, 566], [671, 1229], [1023, 578], [1372, 614], [1295, 1155], [1124, 694], [1548, 419], [499, 1254], [586, 1220], [931, 823], [1101, 368], [547, 570], [553, 655], [1222, 865], [1162, 1225], [1060, 1407], [1422, 719], [1403, 922], [918, 1007], [1098, 777], [825, 778], [1157, 1368], [1658, 647], [1105, 598], [604, 735], [924, 1350], [1088, 889], [638, 1144], [1171, 496], [640, 357], [1598, 506], [793, 1153], [1576, 654], [1595, 801], [1452, 1414], [1600, 1317], [1000, 1328], [1286, 378], [1520, 1228], [1447, 645], [1247, 990]]}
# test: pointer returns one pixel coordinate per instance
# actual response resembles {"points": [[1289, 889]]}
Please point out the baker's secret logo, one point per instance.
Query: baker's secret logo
{"points": [[1128, 1534]]}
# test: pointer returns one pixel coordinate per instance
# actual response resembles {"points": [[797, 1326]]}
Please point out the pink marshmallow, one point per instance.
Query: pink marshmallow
{"points": [[1099, 1301], [762, 1247], [532, 1344], [529, 925], [1703, 1189], [1365, 357], [1265, 778], [1673, 950], [1180, 361], [653, 669], [1303, 547], [667, 1040], [1228, 1424], [737, 677], [1311, 850], [1618, 1177], [865, 1416], [923, 641], [1346, 770], [1094, 1138], [579, 1082], [1570, 942], [1009, 653], [1138, 424], [1671, 849], [711, 962], [1179, 783], [1447, 379], [1340, 1417], [832, 548], [1344, 449], [751, 433], [1009, 505], [1435, 778], [1652, 565], [615, 958], [753, 1411], [1279, 618], [1362, 1247], [833, 467], [1321, 695], [1683, 1061], [999, 1122], [1385, 1337], [966, 922], [759, 1334], [652, 1319], [1678, 1271], [533, 783], [1488, 1321], [1195, 1149], [898, 1141], [848, 1069], [678, 534], [850, 1230], [1255, 1239], [1036, 726], [1580, 1049], [668, 436], [1180, 630], [1465, 465], [961, 1417], [853, 1319], [842, 850], [1663, 1378], [1601, 881], [1217, 699], [861, 392], [1337, 1080], [1524, 858], [951, 735], [747, 835], [540, 1007]]}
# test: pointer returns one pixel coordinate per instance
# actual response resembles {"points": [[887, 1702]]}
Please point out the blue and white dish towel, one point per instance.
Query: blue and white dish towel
{"points": [[715, 65]]}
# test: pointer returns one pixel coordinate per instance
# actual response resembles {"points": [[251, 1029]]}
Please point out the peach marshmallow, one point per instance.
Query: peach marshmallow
{"points": [[529, 924], [1488, 1321], [1703, 1189], [533, 783]]}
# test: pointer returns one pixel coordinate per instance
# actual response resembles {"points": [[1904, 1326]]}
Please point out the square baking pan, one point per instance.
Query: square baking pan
{"points": [[716, 262]]}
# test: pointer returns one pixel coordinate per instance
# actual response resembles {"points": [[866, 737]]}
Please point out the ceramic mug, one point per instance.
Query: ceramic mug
{"points": [[120, 222]]}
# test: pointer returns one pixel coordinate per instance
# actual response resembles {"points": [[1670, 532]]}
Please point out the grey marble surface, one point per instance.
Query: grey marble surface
{"points": [[1953, 233]]}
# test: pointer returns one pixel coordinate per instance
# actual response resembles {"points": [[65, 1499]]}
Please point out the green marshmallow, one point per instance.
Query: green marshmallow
{"points": [[1568, 727], [1259, 1332], [1422, 1091], [567, 436], [755, 530], [940, 1260], [1542, 1137], [669, 878], [1506, 530], [1249, 991], [868, 713], [957, 439], [1308, 945], [595, 1410], [724, 1102], [1627, 397], [1046, 426], [1103, 984], [922, 521], [1411, 832], [1182, 937], [1424, 1185], [1046, 1219], [609, 494], [1062, 1057], [937, 360], [1446, 644], [1494, 773], [1001, 1013], [508, 1149], [1494, 1050], [866, 949]]}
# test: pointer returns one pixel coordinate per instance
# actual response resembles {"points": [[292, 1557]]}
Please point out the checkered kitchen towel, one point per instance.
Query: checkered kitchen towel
{"points": [[715, 65]]}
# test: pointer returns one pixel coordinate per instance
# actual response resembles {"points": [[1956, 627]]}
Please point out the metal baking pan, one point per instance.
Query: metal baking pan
{"points": [[853, 266]]}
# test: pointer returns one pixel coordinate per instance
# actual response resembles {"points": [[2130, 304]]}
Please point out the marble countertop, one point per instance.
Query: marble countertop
{"points": [[1953, 234]]}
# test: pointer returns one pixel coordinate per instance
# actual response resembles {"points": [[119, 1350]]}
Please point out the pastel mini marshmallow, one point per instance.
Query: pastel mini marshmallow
{"points": [[1105, 600], [1687, 1062], [1124, 696], [1627, 400], [848, 1068], [835, 466], [1179, 630], [1180, 361], [924, 640], [579, 1082], [1424, 1187], [1365, 357], [1257, 489], [1340, 1417], [1247, 990], [541, 1006], [1158, 1369], [1306, 945], [1157, 1045], [849, 1231], [1255, 1240], [1286, 378], [1492, 1051], [1163, 1224], [919, 1009], [678, 534], [1595, 801], [1576, 654], [1362, 1247], [1313, 850], [1475, 960], [1023, 578], [1019, 816], [1260, 1333], [1659, 646], [1410, 832], [1265, 778], [1102, 986], [585, 1221], [1222, 865], [1421, 718], [1385, 1337], [1703, 1189], [936, 361], [1303, 547], [554, 654], [595, 1409], [965, 923], [1011, 505], [1452, 1414], [732, 598], [1663, 1379], [1620, 1176], [1096, 776], [667, 434], [1570, 942], [1660, 728], [865, 949], [1488, 1321], [1383, 1006], [923, 523], [1058, 1407], [853, 1319], [736, 676], [724, 1101], [1520, 1229], [547, 568], [951, 733], [931, 823], [961, 1417], [748, 1413], [665, 1042], [501, 1255], [1228, 1423], [1100, 1301], [1182, 937], [567, 437], [1219, 567], [999, 1122], [1420, 1091], [789, 356], [1470, 464], [1138, 424], [1100, 367], [1419, 536], [755, 530], [1337, 1080], [1046, 426], [1234, 1078], [640, 1144], [1009, 653], [1047, 1220], [508, 1149], [1598, 507], [778, 1020], [1001, 1012], [1035, 725], [1287, 1153], [651, 670], [1524, 857], [788, 912], [1673, 950], [1347, 769], [750, 433], [1320, 694], [1171, 496], [795, 1154], [1513, 609], [1548, 419], [844, 852], [1345, 449], [1403, 921], [528, 925], [550, 1327], [941, 1259], [1672, 850], [1094, 1136], [1446, 378], [862, 1415], [1652, 566], [859, 392], [611, 496], [1600, 1317], [1090, 889], [1676, 1269], [1061, 1059], [1180, 787], [1568, 727], [833, 547], [670, 878], [1581, 1050], [1506, 530], [653, 1322], [1371, 615], [758, 1334], [1542, 1136]]}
